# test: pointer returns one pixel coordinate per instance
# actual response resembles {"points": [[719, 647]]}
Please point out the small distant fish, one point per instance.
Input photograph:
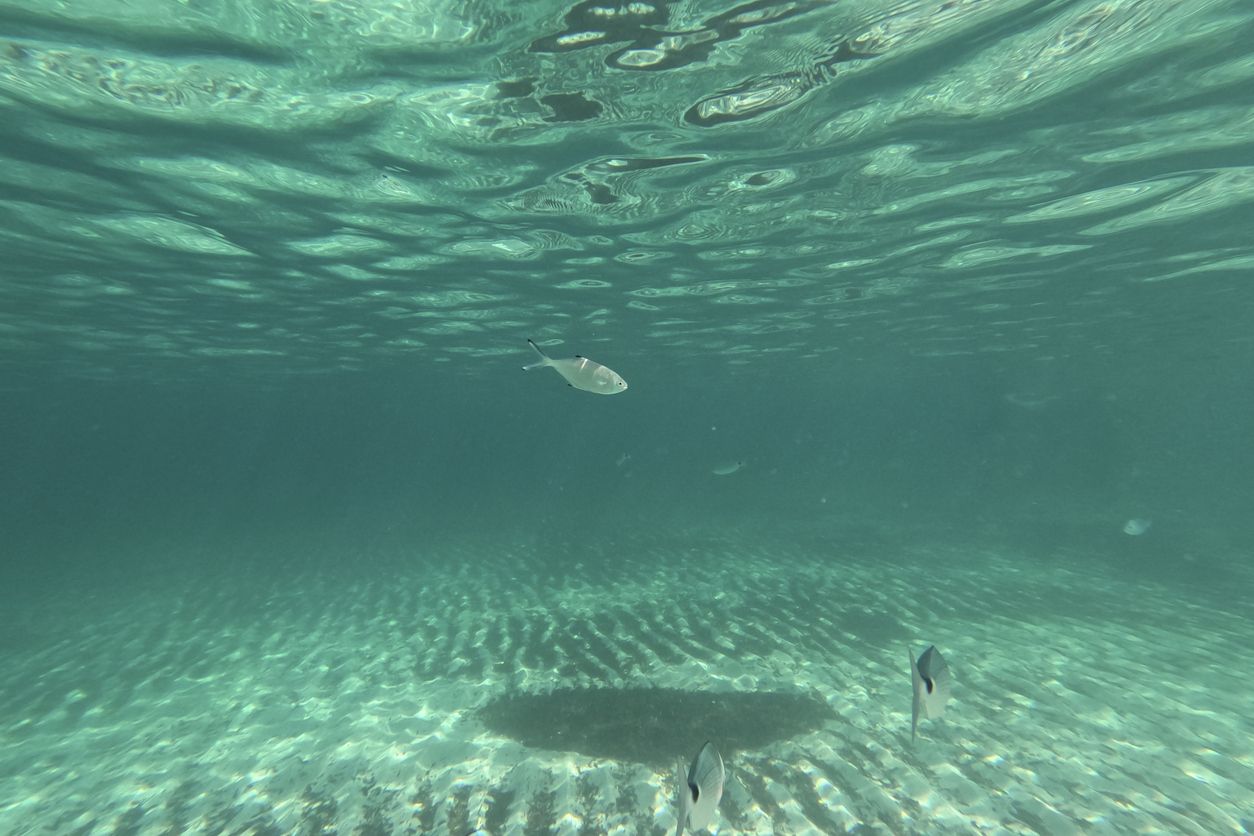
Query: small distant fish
{"points": [[581, 373], [1031, 402], [930, 676], [1137, 526], [701, 791], [727, 469]]}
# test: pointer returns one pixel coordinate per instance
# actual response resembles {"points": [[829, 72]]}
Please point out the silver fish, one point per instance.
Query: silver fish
{"points": [[727, 468], [1136, 526], [701, 791], [930, 675], [581, 373]]}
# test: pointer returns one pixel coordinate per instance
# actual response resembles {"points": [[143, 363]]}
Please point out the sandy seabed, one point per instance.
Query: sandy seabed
{"points": [[517, 690]]}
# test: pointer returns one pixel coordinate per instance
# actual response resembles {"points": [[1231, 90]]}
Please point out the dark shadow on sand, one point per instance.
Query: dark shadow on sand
{"points": [[652, 725]]}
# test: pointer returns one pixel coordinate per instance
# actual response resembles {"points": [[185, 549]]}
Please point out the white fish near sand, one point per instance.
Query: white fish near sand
{"points": [[727, 468], [930, 676], [1136, 526], [701, 790], [581, 373]]}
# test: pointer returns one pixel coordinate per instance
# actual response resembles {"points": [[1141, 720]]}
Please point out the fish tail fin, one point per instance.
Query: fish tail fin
{"points": [[544, 358]]}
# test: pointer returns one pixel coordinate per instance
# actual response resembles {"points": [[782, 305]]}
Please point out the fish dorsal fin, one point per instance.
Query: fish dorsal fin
{"points": [[916, 699], [684, 798]]}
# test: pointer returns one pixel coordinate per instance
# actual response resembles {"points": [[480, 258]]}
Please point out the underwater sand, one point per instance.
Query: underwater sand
{"points": [[366, 697]]}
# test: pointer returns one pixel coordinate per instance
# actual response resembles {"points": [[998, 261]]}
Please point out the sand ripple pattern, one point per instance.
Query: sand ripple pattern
{"points": [[253, 701]]}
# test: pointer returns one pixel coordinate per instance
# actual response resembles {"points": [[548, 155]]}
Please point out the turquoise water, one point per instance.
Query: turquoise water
{"points": [[921, 305]]}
